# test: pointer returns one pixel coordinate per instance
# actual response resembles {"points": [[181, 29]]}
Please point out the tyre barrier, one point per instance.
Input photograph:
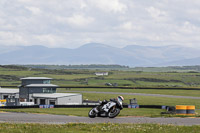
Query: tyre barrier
{"points": [[181, 109], [55, 106], [18, 107], [191, 110], [185, 110], [168, 108]]}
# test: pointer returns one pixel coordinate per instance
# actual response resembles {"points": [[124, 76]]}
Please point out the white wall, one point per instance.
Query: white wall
{"points": [[77, 99]]}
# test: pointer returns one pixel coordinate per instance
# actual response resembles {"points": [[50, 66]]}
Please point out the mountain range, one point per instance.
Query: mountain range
{"points": [[96, 53]]}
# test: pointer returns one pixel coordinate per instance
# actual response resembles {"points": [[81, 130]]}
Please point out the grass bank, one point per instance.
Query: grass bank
{"points": [[84, 111], [194, 93], [96, 128], [146, 100]]}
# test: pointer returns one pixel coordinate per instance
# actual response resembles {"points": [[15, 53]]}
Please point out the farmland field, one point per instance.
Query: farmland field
{"points": [[10, 75]]}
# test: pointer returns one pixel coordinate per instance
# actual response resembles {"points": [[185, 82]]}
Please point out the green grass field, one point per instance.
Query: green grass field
{"points": [[143, 112], [12, 75], [194, 93], [95, 128], [146, 100], [84, 111]]}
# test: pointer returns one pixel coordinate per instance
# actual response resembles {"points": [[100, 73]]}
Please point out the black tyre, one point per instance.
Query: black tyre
{"points": [[113, 113], [92, 113]]}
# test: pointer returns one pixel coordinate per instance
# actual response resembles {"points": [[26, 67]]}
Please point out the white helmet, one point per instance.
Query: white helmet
{"points": [[121, 98]]}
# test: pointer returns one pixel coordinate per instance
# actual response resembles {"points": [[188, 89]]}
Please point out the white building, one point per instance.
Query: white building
{"points": [[38, 91], [9, 93], [57, 98], [101, 73]]}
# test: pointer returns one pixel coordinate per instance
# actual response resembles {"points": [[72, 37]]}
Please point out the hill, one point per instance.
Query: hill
{"points": [[95, 53]]}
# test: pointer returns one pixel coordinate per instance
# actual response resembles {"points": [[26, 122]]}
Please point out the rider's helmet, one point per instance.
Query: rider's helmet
{"points": [[120, 98]]}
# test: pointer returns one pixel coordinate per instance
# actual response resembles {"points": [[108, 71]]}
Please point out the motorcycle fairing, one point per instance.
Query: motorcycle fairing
{"points": [[108, 106]]}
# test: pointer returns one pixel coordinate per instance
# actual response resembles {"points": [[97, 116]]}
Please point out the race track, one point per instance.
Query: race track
{"points": [[62, 119]]}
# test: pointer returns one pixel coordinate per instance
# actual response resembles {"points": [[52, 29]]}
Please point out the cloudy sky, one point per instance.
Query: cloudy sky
{"points": [[72, 23]]}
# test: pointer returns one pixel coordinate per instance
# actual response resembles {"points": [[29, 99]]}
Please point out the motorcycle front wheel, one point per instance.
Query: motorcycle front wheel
{"points": [[92, 113], [113, 112]]}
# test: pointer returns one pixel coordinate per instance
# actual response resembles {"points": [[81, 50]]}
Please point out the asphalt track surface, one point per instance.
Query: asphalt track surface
{"points": [[63, 119], [137, 94]]}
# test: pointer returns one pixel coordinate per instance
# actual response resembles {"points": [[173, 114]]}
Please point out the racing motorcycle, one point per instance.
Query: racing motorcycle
{"points": [[107, 109]]}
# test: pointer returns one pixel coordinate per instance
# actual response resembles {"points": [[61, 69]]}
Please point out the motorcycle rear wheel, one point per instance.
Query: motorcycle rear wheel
{"points": [[92, 113], [113, 113]]}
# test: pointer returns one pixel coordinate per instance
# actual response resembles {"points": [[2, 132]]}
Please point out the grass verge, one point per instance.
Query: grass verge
{"points": [[84, 111], [143, 112], [194, 93], [96, 128], [146, 100]]}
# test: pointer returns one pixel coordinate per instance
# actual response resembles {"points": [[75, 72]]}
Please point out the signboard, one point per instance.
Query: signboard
{"points": [[26, 103], [2, 104], [133, 106], [46, 106], [3, 101]]}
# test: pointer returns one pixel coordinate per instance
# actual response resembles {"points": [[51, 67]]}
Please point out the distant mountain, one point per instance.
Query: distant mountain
{"points": [[165, 53], [184, 62], [95, 53], [6, 49]]}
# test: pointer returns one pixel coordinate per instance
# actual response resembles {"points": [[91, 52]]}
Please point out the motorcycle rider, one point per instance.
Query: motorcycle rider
{"points": [[118, 100]]}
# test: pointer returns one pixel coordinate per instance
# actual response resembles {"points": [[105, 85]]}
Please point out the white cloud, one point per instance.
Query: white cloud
{"points": [[79, 20], [71, 23], [25, 1], [11, 38], [110, 6], [34, 10], [130, 26], [83, 5], [127, 26], [49, 39], [156, 14], [189, 28]]}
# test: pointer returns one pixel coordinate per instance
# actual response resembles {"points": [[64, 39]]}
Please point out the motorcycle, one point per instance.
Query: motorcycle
{"points": [[106, 109]]}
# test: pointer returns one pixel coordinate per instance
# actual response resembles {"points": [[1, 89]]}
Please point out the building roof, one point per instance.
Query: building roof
{"points": [[101, 72], [54, 95], [41, 85], [9, 91], [34, 78]]}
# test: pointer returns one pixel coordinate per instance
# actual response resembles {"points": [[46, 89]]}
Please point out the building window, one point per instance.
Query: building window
{"points": [[42, 101], [12, 100], [35, 101], [5, 96], [46, 82], [49, 90], [52, 102]]}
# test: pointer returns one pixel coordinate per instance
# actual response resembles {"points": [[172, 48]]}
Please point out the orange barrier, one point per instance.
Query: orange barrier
{"points": [[191, 110], [185, 109], [181, 109]]}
